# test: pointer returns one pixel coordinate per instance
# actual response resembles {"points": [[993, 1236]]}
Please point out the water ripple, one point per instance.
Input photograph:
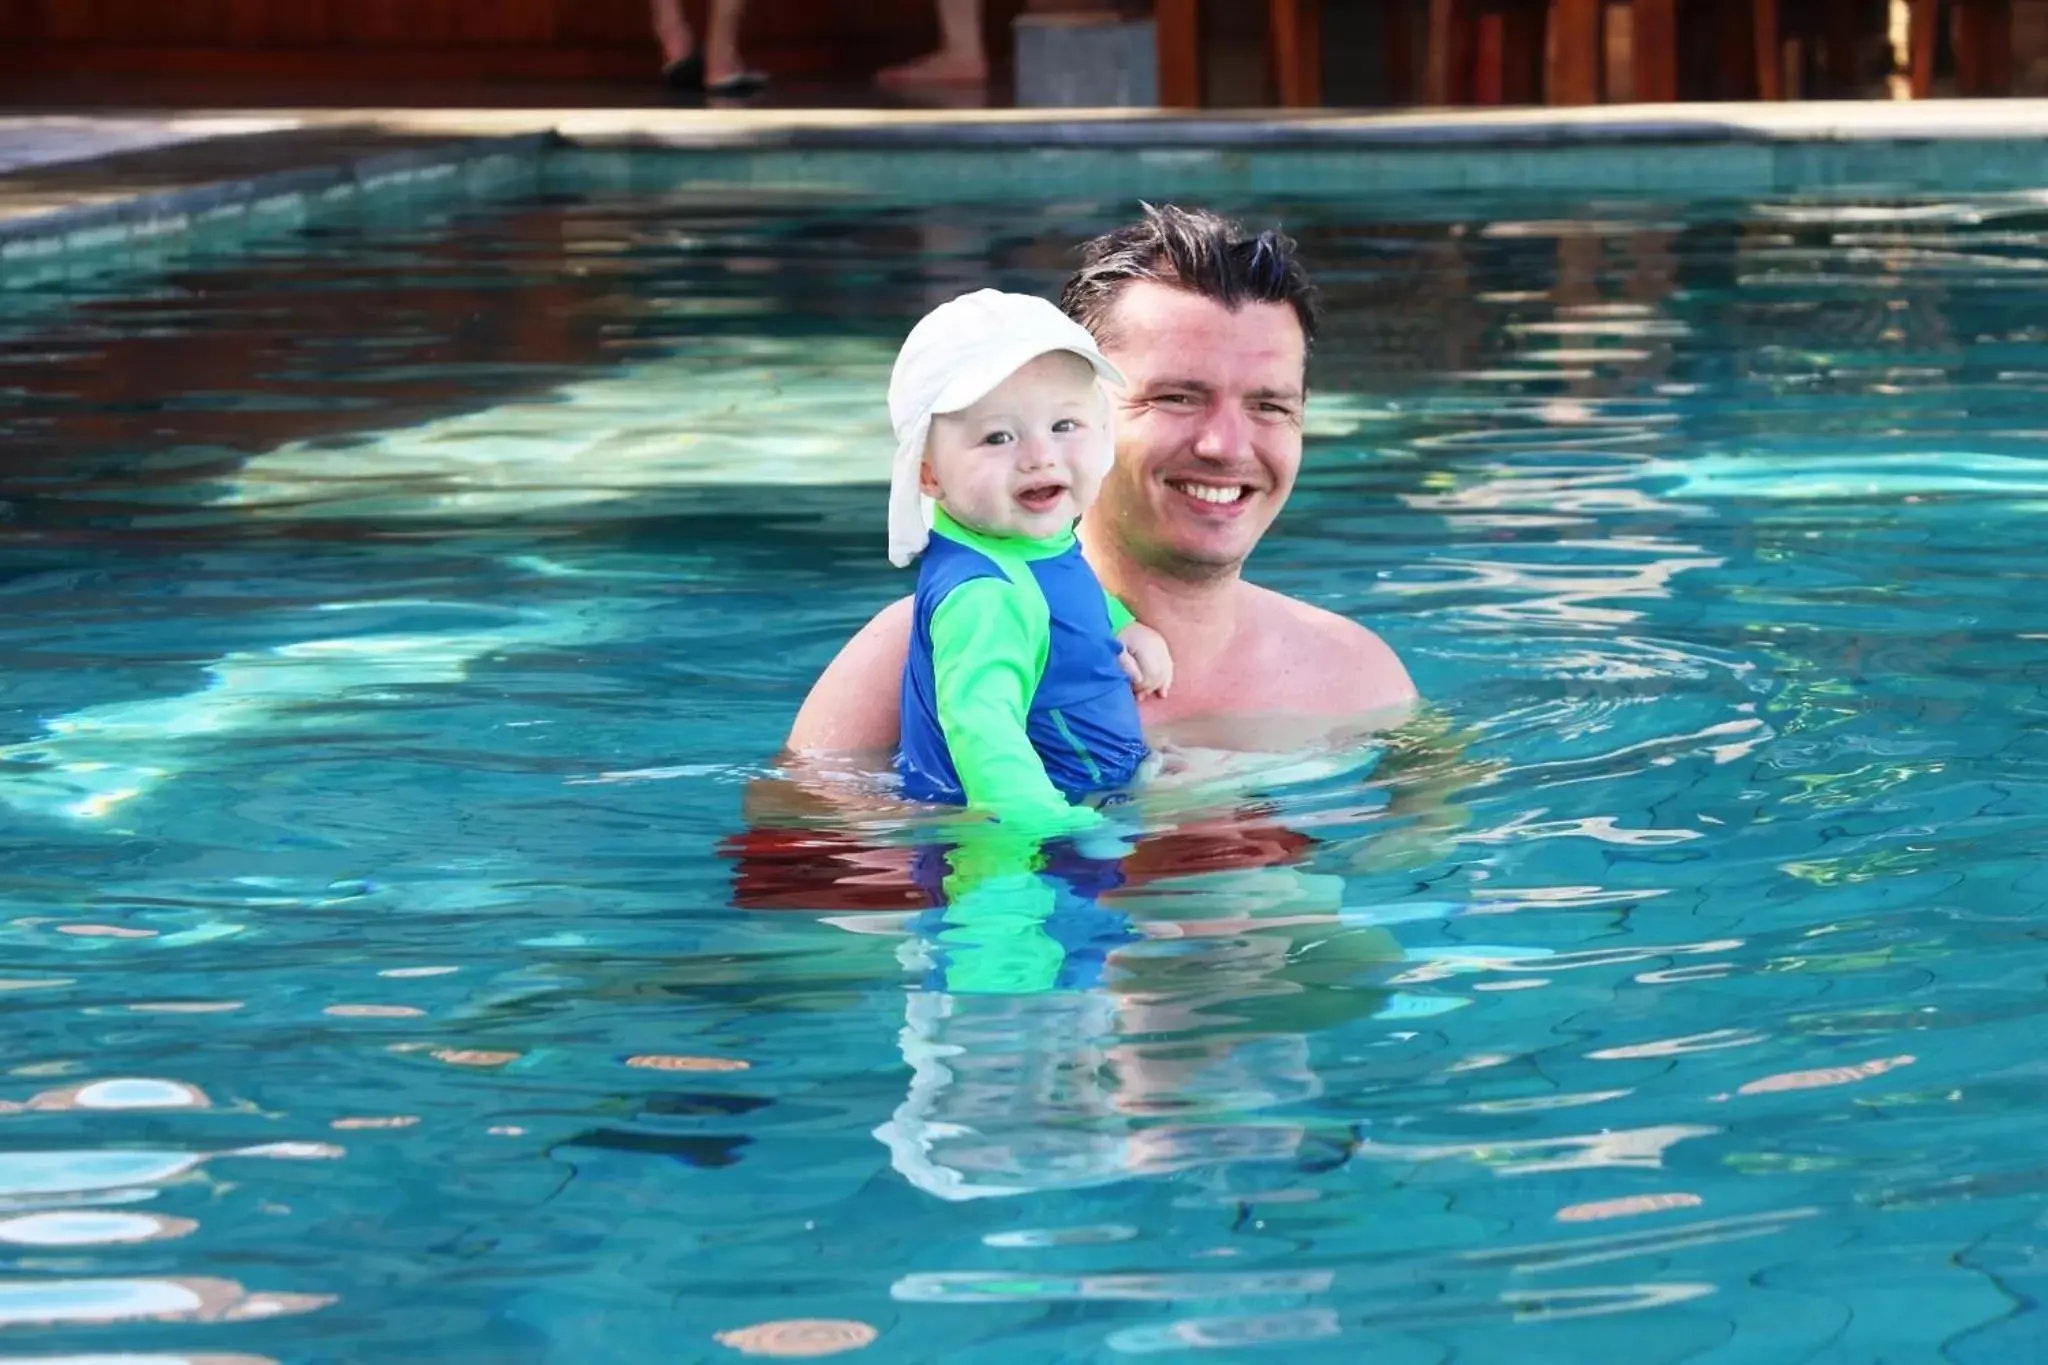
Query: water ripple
{"points": [[401, 892]]}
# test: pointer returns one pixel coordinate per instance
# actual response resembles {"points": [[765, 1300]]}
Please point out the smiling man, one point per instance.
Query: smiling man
{"points": [[1211, 329]]}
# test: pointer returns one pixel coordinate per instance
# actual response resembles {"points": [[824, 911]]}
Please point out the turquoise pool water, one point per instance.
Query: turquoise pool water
{"points": [[409, 954]]}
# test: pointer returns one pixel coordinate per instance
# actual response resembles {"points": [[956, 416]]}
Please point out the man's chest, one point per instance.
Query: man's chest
{"points": [[1250, 675]]}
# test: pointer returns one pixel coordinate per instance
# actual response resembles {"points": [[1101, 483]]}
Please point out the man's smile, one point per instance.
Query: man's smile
{"points": [[1212, 494]]}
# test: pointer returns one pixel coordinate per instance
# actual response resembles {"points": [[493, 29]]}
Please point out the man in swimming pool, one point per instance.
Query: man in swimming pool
{"points": [[1211, 328]]}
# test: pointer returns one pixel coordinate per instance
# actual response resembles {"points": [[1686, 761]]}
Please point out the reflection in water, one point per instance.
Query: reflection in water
{"points": [[124, 1093], [804, 1337], [783, 419], [1556, 1305], [84, 1228], [1632, 1206], [396, 617], [1824, 1076], [1634, 1148], [1060, 1039], [89, 763], [45, 1207], [54, 1303], [1262, 1329], [1062, 1237], [1006, 1096], [998, 1287], [1649, 1242]]}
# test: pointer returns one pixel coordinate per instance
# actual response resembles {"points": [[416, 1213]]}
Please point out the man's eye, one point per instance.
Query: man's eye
{"points": [[1278, 410], [1175, 399]]}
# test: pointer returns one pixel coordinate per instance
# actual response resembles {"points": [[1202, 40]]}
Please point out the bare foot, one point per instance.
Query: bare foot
{"points": [[722, 64], [938, 68], [725, 73]]}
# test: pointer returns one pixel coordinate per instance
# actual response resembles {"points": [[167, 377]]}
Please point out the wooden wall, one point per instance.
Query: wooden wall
{"points": [[460, 40]]}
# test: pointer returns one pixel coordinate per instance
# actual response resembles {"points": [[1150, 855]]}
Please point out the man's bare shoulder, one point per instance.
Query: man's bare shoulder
{"points": [[1336, 662], [854, 705]]}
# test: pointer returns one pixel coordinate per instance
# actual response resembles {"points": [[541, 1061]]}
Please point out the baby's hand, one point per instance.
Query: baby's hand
{"points": [[1146, 660]]}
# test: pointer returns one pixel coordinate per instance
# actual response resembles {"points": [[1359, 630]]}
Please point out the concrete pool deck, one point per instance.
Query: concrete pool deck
{"points": [[78, 180]]}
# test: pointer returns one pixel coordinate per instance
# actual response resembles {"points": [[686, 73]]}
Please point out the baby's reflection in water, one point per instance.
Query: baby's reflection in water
{"points": [[1068, 1029]]}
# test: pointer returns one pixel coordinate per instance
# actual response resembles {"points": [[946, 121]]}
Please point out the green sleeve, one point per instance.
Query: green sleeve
{"points": [[990, 639], [1119, 614], [994, 935]]}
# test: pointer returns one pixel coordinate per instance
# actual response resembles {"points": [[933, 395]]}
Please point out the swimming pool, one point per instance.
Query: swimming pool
{"points": [[409, 956]]}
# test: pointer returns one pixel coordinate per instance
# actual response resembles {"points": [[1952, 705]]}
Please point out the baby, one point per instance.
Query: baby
{"points": [[1018, 694]]}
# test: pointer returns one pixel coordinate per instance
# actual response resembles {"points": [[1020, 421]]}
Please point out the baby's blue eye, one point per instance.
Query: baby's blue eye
{"points": [[997, 438], [1065, 425]]}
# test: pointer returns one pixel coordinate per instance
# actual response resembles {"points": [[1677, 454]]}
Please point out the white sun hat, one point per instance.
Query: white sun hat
{"points": [[952, 359]]}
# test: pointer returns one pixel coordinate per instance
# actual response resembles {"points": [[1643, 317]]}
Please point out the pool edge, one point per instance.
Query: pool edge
{"points": [[1674, 149], [96, 221]]}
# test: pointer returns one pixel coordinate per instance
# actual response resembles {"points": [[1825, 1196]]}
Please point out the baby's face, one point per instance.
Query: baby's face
{"points": [[1029, 457]]}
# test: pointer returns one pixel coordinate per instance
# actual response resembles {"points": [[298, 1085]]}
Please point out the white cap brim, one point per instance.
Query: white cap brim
{"points": [[978, 380]]}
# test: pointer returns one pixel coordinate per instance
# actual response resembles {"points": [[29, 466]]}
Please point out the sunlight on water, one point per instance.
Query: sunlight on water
{"points": [[91, 762], [413, 949]]}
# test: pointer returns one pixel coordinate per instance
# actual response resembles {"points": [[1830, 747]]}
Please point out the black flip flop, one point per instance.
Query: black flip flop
{"points": [[685, 74], [741, 83]]}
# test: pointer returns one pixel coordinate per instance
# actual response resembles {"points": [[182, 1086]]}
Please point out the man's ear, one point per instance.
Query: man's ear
{"points": [[927, 481]]}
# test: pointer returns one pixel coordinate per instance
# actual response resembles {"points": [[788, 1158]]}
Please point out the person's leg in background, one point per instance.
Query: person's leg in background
{"points": [[681, 64], [725, 72], [961, 58], [715, 69]]}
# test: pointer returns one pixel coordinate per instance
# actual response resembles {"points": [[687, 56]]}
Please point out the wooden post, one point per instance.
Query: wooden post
{"points": [[1922, 30], [1179, 37], [1574, 52], [1984, 47], [1294, 32], [1490, 58], [1763, 33], [1443, 83], [1654, 51]]}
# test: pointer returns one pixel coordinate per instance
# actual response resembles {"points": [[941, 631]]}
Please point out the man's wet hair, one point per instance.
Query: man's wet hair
{"points": [[1196, 250]]}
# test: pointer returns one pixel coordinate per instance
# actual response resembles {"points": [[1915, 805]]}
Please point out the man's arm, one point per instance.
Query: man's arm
{"points": [[855, 705]]}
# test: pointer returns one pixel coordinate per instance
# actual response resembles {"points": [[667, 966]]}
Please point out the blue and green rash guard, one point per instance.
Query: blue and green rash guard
{"points": [[1014, 701]]}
